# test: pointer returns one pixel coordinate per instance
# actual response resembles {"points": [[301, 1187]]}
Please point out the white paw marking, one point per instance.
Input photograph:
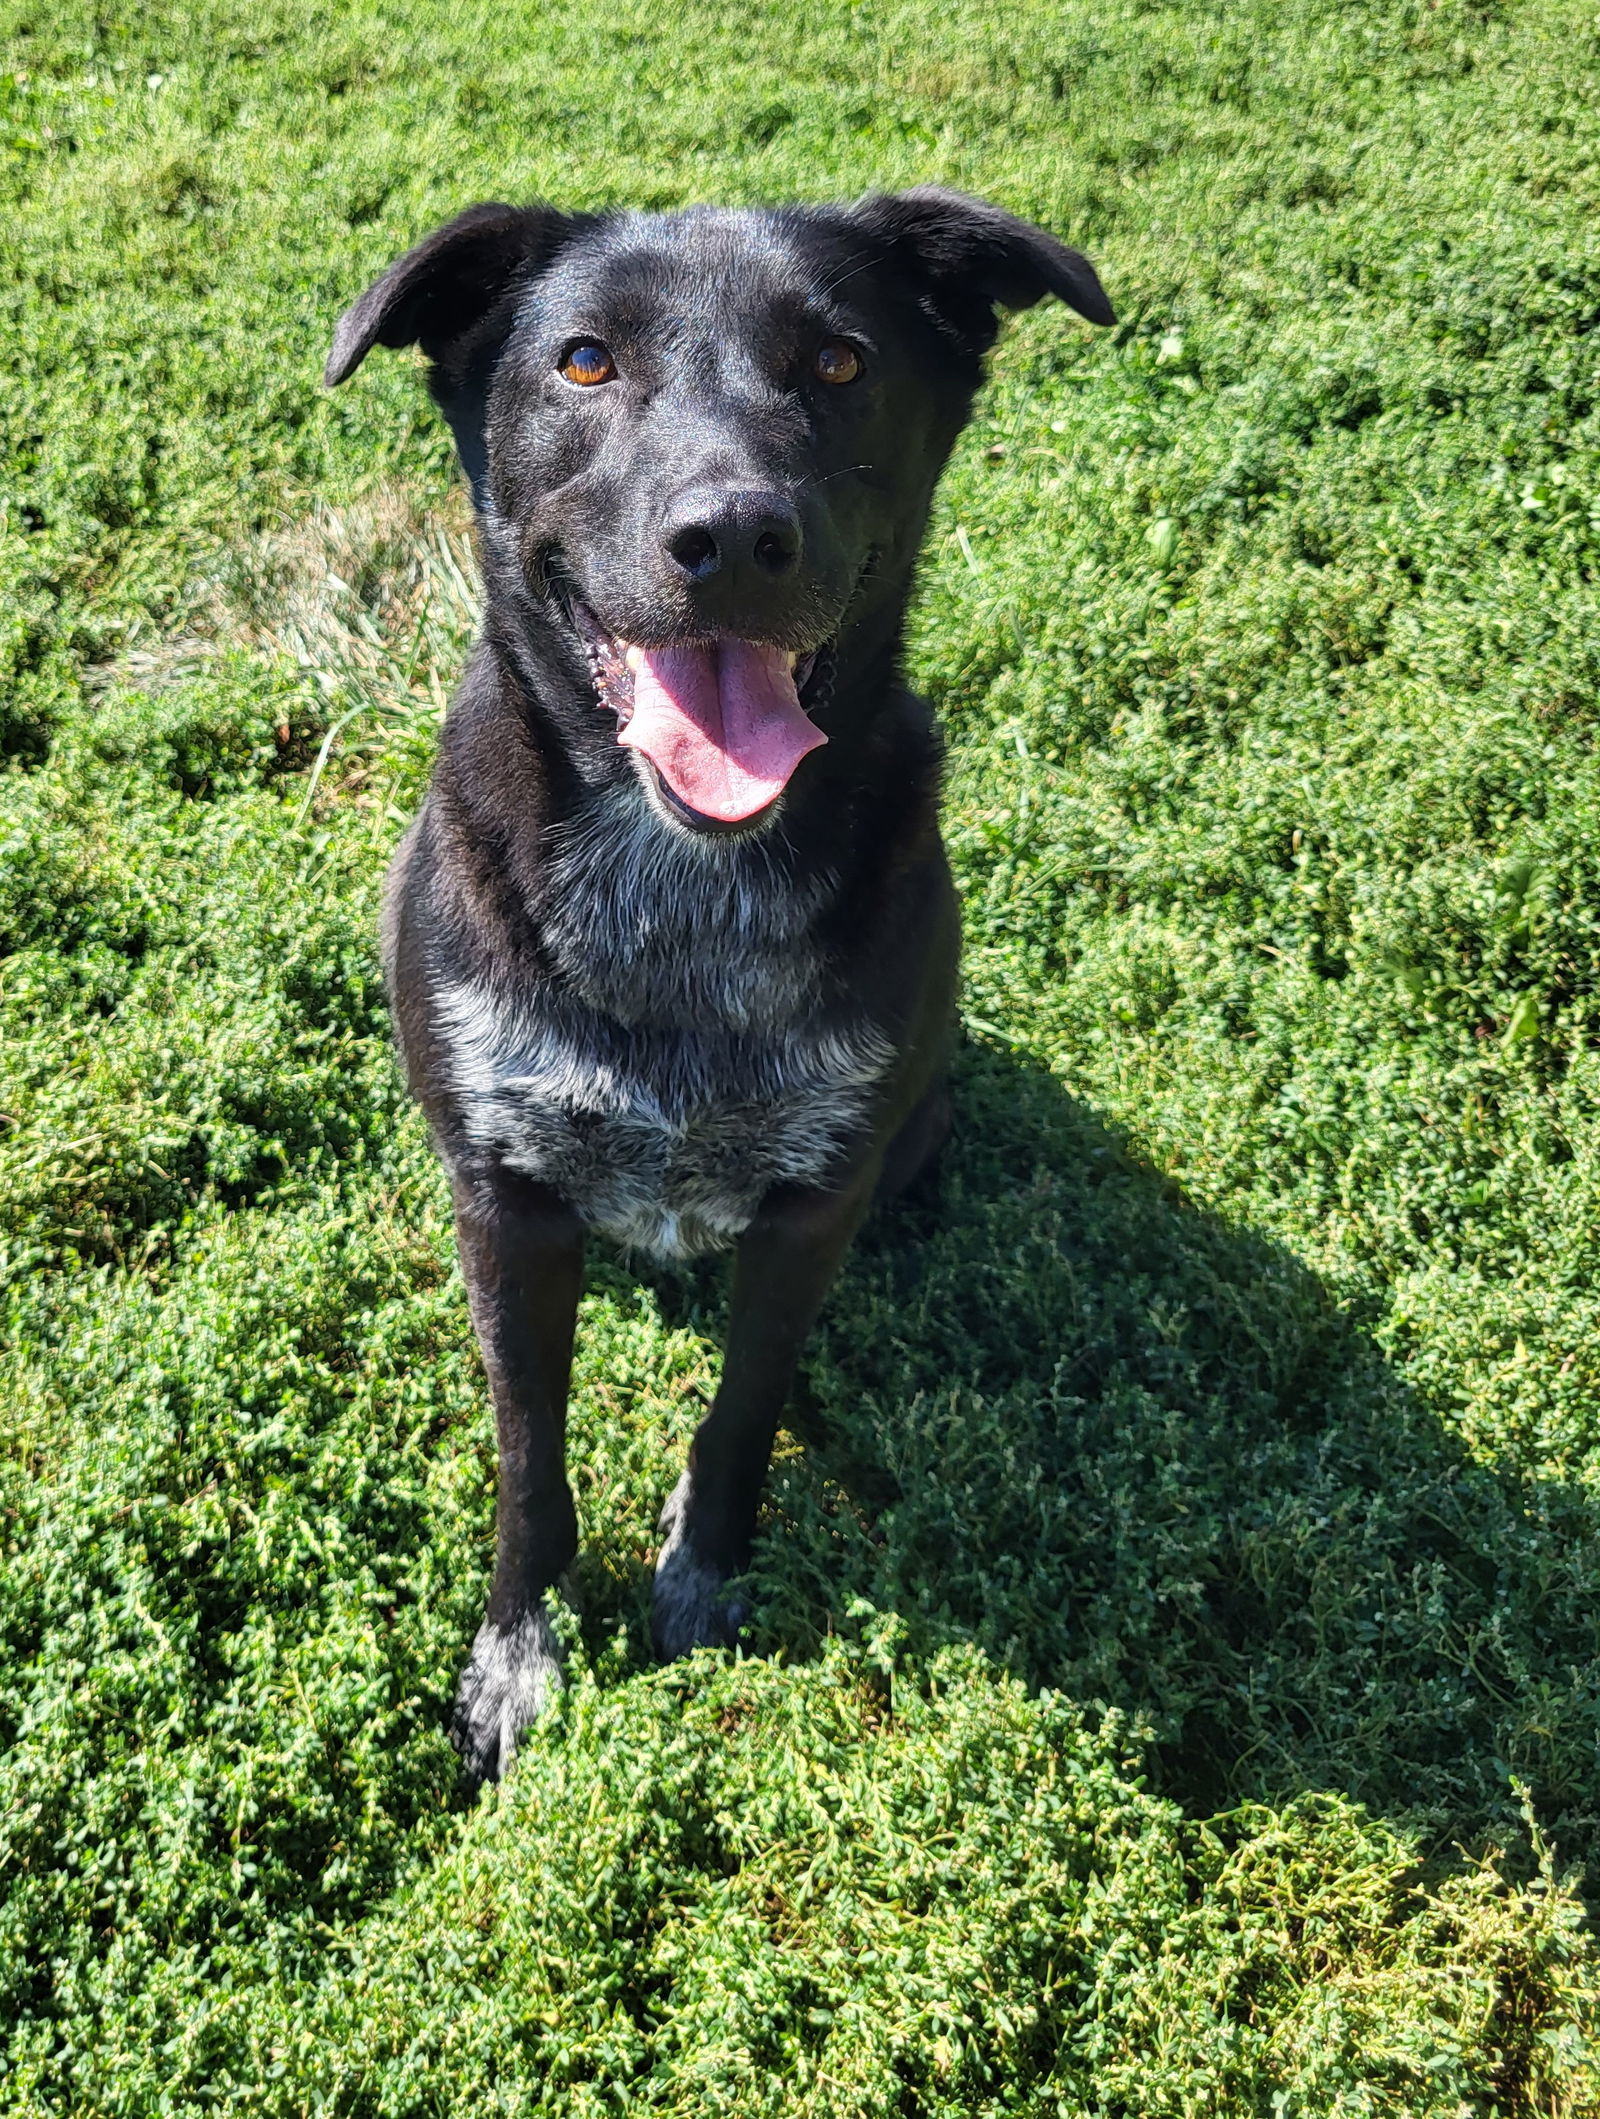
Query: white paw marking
{"points": [[510, 1676], [689, 1608]]}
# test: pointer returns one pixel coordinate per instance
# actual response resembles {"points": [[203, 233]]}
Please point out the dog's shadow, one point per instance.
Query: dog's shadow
{"points": [[1144, 1457]]}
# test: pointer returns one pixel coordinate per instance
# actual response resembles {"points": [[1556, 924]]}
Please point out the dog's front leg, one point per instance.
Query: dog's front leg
{"points": [[522, 1256], [785, 1265]]}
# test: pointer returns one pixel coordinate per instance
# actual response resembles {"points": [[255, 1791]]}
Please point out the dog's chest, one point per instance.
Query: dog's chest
{"points": [[664, 1139]]}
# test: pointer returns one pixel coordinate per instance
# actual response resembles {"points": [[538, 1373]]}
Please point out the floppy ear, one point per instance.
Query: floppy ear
{"points": [[436, 294], [971, 256], [451, 296]]}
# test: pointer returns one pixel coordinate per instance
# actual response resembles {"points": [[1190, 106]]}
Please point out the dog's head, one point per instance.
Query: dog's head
{"points": [[703, 446]]}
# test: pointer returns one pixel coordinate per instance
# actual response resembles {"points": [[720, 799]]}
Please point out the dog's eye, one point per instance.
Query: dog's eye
{"points": [[837, 361], [587, 363]]}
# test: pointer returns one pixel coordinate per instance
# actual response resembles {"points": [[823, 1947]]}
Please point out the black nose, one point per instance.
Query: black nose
{"points": [[713, 530]]}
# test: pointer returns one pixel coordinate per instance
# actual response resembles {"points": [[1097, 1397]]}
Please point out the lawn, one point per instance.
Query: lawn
{"points": [[1174, 1677]]}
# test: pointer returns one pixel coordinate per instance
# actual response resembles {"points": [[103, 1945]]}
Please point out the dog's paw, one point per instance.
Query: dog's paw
{"points": [[691, 1608], [512, 1672]]}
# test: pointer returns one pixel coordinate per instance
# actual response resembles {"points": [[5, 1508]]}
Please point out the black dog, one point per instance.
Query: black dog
{"points": [[672, 944]]}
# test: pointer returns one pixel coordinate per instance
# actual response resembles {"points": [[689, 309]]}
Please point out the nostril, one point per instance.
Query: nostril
{"points": [[744, 537], [775, 551], [695, 550]]}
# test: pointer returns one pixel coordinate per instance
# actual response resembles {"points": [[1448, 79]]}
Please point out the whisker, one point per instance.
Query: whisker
{"points": [[862, 263], [821, 478], [857, 262]]}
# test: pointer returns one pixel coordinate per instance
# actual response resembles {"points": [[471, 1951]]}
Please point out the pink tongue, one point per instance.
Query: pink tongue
{"points": [[722, 725]]}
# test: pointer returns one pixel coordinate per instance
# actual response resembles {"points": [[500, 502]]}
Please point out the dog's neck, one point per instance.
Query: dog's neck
{"points": [[647, 922]]}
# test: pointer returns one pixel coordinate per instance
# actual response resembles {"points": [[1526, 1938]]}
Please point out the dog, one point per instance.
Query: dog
{"points": [[671, 947]]}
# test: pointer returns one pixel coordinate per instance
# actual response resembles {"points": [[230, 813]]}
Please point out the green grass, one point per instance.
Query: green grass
{"points": [[1177, 1686]]}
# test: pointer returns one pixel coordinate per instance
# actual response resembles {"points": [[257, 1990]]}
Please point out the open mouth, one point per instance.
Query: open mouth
{"points": [[721, 722]]}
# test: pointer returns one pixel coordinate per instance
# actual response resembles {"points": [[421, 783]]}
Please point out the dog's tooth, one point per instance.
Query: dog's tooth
{"points": [[634, 659]]}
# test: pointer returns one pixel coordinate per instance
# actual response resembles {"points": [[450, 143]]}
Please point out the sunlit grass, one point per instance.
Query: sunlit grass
{"points": [[1177, 1642]]}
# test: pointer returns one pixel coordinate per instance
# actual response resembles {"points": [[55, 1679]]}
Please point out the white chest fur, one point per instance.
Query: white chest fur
{"points": [[680, 1064], [664, 1138]]}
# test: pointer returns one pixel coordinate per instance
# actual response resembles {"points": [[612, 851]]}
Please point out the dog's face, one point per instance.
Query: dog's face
{"points": [[703, 447]]}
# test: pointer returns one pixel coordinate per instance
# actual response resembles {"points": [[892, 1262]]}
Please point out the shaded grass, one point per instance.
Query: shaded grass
{"points": [[1177, 1632]]}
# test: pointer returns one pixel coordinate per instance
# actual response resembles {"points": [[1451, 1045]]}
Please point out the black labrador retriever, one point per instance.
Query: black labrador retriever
{"points": [[672, 944]]}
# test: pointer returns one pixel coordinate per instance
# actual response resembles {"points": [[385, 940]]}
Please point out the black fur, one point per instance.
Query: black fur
{"points": [[615, 1015]]}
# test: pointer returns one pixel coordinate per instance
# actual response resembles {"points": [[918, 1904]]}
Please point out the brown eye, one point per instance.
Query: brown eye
{"points": [[587, 363], [837, 361]]}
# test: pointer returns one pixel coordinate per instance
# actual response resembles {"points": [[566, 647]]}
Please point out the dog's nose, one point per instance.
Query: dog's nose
{"points": [[714, 530]]}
